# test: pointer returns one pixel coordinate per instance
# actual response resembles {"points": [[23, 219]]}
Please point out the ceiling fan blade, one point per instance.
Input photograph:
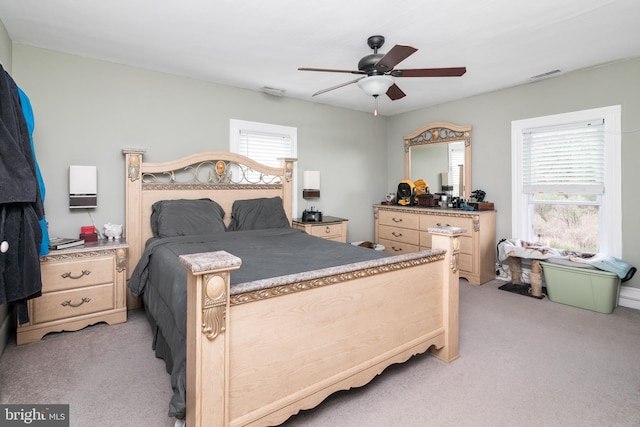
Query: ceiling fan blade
{"points": [[396, 55], [394, 92], [331, 70], [430, 72], [337, 87]]}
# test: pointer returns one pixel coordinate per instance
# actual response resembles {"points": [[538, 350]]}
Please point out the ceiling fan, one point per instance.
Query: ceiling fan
{"points": [[378, 69]]}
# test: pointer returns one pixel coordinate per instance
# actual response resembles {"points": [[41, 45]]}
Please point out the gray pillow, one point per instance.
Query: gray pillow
{"points": [[183, 217], [258, 214]]}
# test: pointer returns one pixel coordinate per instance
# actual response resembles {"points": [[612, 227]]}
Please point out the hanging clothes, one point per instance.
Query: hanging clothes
{"points": [[28, 116], [21, 207]]}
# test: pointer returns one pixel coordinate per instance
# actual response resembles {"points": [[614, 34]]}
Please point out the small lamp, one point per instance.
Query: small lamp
{"points": [[311, 184]]}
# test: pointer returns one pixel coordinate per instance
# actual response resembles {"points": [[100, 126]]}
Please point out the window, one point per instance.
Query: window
{"points": [[265, 143], [456, 166], [566, 183]]}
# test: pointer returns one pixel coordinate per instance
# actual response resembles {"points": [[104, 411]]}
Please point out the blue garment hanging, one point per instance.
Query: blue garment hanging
{"points": [[28, 116]]}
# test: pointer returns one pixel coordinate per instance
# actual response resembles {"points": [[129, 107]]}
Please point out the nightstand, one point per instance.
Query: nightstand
{"points": [[81, 286], [330, 228]]}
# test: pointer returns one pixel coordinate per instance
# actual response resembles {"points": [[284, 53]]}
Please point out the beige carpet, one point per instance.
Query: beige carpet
{"points": [[524, 362]]}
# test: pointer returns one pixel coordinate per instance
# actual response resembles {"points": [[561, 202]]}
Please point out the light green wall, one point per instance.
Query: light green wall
{"points": [[491, 115], [86, 111]]}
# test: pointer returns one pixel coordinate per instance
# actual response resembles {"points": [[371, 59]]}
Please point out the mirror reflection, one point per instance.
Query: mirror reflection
{"points": [[440, 153]]}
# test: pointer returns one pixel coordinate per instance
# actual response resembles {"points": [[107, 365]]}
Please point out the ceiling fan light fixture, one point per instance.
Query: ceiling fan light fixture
{"points": [[375, 85]]}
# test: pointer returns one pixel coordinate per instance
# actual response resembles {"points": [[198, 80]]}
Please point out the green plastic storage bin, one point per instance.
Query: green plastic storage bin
{"points": [[587, 288]]}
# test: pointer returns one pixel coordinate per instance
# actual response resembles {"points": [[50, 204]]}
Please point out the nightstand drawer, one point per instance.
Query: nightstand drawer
{"points": [[66, 304], [330, 228], [57, 276], [327, 231]]}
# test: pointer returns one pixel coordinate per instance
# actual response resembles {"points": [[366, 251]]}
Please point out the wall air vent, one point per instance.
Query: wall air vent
{"points": [[544, 75]]}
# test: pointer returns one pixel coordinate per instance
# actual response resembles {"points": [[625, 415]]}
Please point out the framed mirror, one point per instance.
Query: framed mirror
{"points": [[440, 153]]}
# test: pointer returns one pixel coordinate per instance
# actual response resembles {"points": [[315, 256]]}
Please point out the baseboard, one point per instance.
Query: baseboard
{"points": [[629, 297]]}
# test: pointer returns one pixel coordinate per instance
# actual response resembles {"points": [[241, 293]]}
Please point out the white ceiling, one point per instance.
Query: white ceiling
{"points": [[255, 43]]}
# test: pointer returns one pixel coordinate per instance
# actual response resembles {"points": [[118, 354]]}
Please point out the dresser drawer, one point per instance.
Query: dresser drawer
{"points": [[71, 303], [398, 219], [397, 234], [427, 221], [466, 242], [398, 248], [57, 276], [327, 231]]}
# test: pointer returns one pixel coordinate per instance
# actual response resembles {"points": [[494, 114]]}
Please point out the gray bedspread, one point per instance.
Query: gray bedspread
{"points": [[160, 280]]}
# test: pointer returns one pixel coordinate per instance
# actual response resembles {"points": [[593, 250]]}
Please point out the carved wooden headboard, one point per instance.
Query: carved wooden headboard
{"points": [[220, 176]]}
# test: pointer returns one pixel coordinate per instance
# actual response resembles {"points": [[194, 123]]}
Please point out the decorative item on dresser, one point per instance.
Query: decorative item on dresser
{"points": [[330, 227], [80, 286], [403, 229]]}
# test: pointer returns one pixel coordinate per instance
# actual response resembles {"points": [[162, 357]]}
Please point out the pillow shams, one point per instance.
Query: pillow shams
{"points": [[258, 214], [170, 218]]}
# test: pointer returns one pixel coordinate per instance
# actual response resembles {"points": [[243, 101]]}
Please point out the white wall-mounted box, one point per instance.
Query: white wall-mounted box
{"points": [[83, 187]]}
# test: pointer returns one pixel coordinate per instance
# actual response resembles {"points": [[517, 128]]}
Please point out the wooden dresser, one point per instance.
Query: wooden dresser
{"points": [[330, 228], [80, 286], [404, 229]]}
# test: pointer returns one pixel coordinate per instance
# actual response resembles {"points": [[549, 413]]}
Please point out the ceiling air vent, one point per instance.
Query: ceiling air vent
{"points": [[544, 75], [272, 91]]}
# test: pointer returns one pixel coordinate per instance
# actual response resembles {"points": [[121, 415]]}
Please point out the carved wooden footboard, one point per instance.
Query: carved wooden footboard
{"points": [[259, 357]]}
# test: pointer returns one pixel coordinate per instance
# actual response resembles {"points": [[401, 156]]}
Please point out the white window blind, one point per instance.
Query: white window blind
{"points": [[456, 158], [566, 159], [265, 148], [265, 143]]}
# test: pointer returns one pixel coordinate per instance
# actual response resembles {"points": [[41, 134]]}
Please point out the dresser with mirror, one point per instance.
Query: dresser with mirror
{"points": [[403, 229]]}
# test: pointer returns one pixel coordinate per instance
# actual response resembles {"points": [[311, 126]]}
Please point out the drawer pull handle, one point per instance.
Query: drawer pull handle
{"points": [[327, 229], [396, 249], [68, 274], [396, 219], [440, 225], [68, 303], [396, 234]]}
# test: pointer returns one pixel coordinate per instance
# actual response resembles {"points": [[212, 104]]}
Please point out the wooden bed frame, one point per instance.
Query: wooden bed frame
{"points": [[259, 357]]}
